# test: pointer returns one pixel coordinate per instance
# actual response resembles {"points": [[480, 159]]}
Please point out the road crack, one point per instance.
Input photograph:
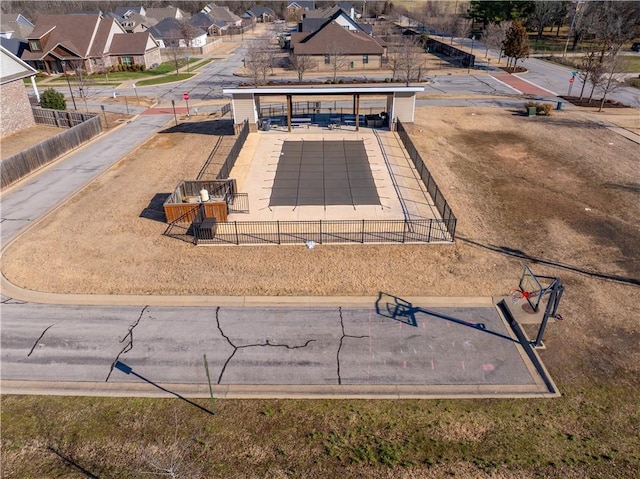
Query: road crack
{"points": [[344, 335], [129, 344], [40, 338], [261, 345]]}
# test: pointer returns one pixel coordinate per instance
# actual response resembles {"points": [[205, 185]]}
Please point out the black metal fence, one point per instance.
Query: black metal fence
{"points": [[225, 109], [321, 232], [436, 195], [82, 128], [235, 151]]}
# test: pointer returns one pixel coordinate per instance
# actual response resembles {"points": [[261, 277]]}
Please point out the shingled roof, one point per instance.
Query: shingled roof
{"points": [[70, 36], [132, 44], [319, 42]]}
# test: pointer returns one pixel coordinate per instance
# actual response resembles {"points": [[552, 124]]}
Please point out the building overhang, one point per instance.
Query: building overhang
{"points": [[345, 89]]}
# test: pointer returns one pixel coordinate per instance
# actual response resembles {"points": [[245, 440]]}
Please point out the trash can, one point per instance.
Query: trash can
{"points": [[532, 111], [266, 125], [559, 106]]}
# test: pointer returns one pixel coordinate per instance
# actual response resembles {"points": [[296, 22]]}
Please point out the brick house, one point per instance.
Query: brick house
{"points": [[82, 41], [355, 48], [15, 108], [135, 49]]}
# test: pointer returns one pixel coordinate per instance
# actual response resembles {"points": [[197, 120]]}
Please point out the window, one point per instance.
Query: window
{"points": [[327, 59], [34, 45], [365, 59], [126, 61]]}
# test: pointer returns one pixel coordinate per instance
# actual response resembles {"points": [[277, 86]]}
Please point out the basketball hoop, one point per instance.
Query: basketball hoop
{"points": [[517, 294]]}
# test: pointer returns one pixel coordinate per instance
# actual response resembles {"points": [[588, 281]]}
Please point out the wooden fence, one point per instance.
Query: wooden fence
{"points": [[59, 118], [83, 127]]}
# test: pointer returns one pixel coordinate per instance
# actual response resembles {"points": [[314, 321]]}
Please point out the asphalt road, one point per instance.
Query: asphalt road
{"points": [[339, 351]]}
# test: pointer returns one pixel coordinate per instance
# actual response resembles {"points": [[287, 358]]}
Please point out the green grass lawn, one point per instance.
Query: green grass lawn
{"points": [[165, 79], [588, 432]]}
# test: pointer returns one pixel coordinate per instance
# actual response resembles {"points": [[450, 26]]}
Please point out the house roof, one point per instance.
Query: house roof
{"points": [[201, 20], [260, 10], [162, 13], [12, 68], [122, 11], [303, 4], [170, 28], [14, 45], [321, 41], [131, 43], [84, 35], [223, 14], [15, 23]]}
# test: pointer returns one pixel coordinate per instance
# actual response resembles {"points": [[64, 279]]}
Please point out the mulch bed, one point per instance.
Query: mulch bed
{"points": [[584, 102]]}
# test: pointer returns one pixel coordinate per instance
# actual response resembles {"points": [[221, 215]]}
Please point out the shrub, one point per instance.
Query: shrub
{"points": [[53, 99], [547, 108]]}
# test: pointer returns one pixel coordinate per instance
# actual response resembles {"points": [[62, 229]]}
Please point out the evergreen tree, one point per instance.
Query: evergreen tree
{"points": [[53, 99]]}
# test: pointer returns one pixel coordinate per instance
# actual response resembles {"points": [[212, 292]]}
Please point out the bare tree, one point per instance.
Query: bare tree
{"points": [[259, 59], [187, 32], [612, 65], [494, 35], [544, 12], [301, 64], [406, 60], [337, 58]]}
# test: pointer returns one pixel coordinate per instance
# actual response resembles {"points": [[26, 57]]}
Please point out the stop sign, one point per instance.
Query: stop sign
{"points": [[570, 81], [185, 96]]}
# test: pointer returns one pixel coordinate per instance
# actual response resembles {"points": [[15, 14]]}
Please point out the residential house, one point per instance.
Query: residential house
{"points": [[81, 41], [300, 6], [260, 14], [296, 9], [159, 14], [126, 12], [135, 49], [15, 108], [355, 48], [317, 19], [134, 22], [14, 25], [205, 22], [222, 14], [171, 33]]}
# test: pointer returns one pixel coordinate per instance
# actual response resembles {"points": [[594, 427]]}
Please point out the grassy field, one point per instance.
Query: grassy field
{"points": [[590, 432]]}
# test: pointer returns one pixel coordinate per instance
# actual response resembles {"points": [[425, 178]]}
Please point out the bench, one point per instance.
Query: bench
{"points": [[300, 122]]}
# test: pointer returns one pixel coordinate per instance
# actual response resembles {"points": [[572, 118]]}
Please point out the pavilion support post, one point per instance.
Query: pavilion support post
{"points": [[289, 109], [357, 108]]}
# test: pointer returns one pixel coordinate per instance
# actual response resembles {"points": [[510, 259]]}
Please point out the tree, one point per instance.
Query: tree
{"points": [[516, 43], [613, 64], [544, 12], [337, 58], [187, 32], [590, 63], [258, 59], [53, 99], [301, 64], [406, 60], [494, 35], [498, 11]]}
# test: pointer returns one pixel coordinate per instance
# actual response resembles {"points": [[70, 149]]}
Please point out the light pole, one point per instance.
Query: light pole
{"points": [[135, 90], [473, 39], [64, 70]]}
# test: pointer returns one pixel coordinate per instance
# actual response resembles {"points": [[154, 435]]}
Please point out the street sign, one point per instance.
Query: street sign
{"points": [[574, 73], [185, 96]]}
